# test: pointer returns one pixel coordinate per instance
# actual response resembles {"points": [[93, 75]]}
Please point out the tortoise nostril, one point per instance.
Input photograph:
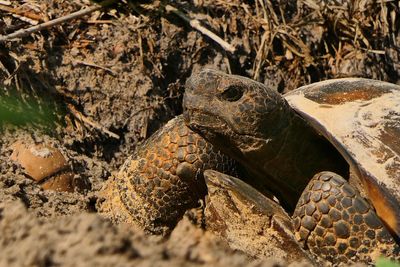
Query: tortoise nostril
{"points": [[232, 93]]}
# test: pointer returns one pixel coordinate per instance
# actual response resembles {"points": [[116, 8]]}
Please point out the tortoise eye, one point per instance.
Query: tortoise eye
{"points": [[232, 93]]}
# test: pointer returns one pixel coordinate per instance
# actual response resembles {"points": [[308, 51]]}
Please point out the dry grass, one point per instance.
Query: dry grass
{"points": [[310, 40]]}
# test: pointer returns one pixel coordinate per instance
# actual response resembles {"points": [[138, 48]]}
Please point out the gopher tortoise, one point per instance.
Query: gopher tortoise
{"points": [[329, 152]]}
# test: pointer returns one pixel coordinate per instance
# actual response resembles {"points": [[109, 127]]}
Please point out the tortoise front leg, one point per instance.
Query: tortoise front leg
{"points": [[249, 221], [334, 222]]}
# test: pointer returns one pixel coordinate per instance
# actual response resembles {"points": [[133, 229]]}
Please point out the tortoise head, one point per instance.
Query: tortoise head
{"points": [[236, 114]]}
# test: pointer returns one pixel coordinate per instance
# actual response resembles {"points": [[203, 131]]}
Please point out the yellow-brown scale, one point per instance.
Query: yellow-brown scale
{"points": [[162, 179], [337, 224]]}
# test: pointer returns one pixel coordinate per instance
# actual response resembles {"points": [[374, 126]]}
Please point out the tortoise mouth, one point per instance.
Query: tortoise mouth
{"points": [[209, 120], [202, 121], [217, 131], [214, 129]]}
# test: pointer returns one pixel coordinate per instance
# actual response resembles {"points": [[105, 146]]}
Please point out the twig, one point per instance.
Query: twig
{"points": [[260, 56], [80, 13], [20, 12], [100, 21], [197, 25], [86, 120], [95, 66]]}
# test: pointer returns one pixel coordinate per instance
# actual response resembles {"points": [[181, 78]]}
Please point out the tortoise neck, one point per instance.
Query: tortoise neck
{"points": [[291, 156]]}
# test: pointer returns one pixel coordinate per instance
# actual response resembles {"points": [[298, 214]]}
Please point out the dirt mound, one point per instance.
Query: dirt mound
{"points": [[87, 238]]}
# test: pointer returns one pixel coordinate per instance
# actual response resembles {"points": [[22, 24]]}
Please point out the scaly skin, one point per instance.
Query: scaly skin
{"points": [[335, 223], [162, 179], [259, 130]]}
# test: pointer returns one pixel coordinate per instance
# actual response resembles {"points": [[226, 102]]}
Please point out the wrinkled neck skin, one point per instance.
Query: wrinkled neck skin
{"points": [[287, 160]]}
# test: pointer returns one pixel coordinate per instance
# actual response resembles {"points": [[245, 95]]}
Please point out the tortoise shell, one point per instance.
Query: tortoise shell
{"points": [[361, 118]]}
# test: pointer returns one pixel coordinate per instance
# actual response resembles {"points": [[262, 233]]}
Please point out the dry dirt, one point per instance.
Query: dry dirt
{"points": [[96, 86]]}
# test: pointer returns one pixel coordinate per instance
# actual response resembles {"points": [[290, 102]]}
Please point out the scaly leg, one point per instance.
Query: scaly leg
{"points": [[335, 223]]}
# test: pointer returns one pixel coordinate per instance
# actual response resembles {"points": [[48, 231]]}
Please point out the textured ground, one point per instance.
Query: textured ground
{"points": [[120, 73]]}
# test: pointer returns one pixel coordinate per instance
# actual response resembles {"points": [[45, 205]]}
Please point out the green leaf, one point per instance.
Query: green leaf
{"points": [[384, 262]]}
